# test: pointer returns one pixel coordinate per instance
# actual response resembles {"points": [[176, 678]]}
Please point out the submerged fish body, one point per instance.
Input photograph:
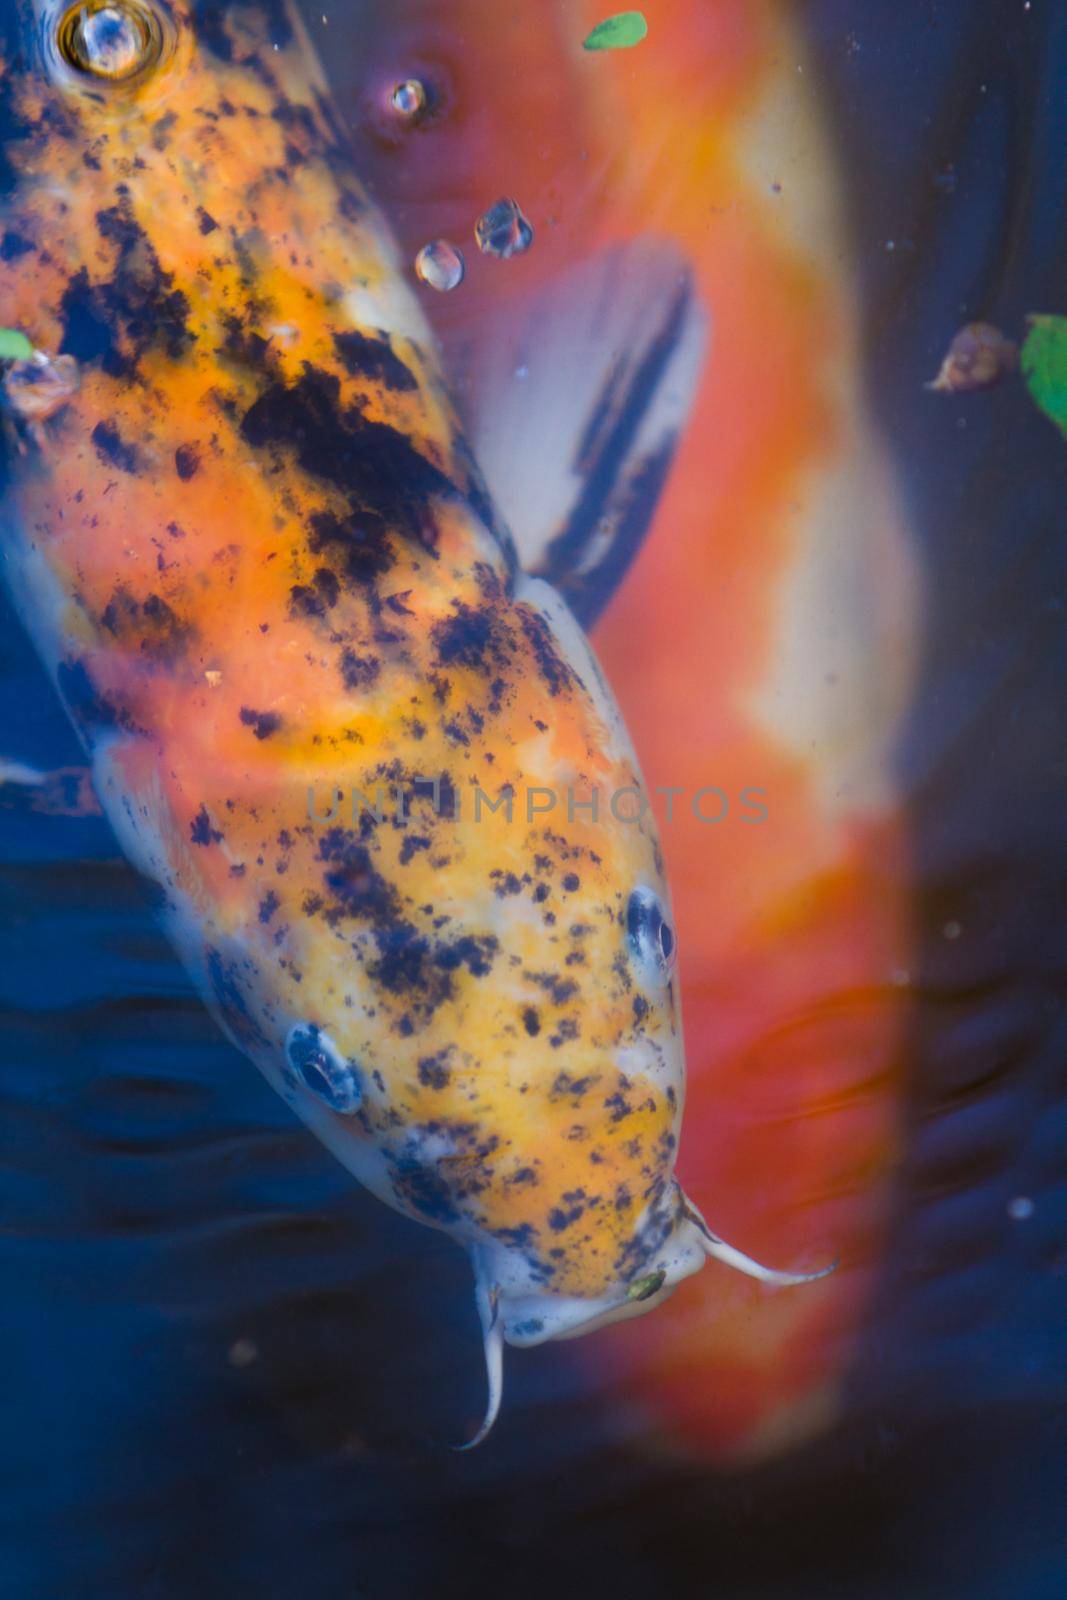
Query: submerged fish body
{"points": [[255, 552], [780, 594]]}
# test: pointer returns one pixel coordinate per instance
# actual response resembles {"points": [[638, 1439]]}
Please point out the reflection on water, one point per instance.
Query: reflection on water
{"points": [[230, 1371]]}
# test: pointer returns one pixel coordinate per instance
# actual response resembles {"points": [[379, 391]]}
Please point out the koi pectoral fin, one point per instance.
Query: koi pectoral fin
{"points": [[65, 792], [578, 399]]}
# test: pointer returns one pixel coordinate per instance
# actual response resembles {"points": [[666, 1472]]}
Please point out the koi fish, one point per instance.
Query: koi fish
{"points": [[767, 633], [245, 528]]}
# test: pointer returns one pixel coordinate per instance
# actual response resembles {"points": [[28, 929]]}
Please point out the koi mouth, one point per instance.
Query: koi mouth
{"points": [[529, 1319]]}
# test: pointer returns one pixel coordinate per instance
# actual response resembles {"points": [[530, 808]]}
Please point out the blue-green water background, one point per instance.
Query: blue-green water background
{"points": [[157, 1203]]}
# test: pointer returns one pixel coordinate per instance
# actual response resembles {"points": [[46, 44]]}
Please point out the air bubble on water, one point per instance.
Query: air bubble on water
{"points": [[1021, 1209], [440, 265], [503, 231], [108, 41], [408, 99]]}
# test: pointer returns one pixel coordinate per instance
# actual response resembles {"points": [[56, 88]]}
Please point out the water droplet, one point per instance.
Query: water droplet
{"points": [[1021, 1209], [440, 265], [503, 231], [110, 42], [408, 99], [36, 389], [114, 42]]}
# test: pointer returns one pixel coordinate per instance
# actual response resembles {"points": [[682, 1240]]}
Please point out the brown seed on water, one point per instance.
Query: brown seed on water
{"points": [[978, 357]]}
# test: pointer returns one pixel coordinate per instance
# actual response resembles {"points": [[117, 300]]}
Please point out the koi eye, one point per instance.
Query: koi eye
{"points": [[319, 1066], [112, 40], [645, 1288], [652, 941]]}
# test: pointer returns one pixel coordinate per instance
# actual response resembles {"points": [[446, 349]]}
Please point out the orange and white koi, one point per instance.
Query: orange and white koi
{"points": [[253, 547], [767, 634]]}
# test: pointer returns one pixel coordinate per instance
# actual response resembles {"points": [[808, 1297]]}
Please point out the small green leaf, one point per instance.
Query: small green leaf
{"points": [[619, 32], [14, 346], [1044, 363]]}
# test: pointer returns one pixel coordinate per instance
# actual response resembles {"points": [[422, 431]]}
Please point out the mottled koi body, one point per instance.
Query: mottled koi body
{"points": [[255, 551]]}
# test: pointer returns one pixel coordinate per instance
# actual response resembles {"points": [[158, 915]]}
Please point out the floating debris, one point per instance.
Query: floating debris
{"points": [[409, 99], [503, 231], [1044, 364], [243, 1352], [620, 32], [39, 386], [14, 346], [440, 265], [978, 357]]}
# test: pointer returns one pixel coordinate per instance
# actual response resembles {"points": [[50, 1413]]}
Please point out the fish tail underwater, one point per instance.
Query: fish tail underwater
{"points": [[533, 589]]}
